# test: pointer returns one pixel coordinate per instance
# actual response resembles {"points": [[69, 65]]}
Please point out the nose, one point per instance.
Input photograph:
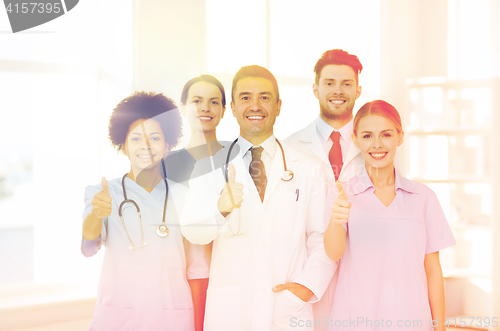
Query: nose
{"points": [[205, 106], [255, 104], [377, 142]]}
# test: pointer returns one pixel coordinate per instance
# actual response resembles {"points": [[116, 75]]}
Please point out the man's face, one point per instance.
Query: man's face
{"points": [[337, 92], [255, 108]]}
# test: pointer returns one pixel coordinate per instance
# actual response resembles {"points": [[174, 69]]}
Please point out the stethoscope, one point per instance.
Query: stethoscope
{"points": [[286, 177], [162, 229]]}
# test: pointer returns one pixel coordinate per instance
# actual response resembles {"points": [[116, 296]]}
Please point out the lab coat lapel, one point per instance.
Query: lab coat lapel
{"points": [[351, 154], [310, 137], [278, 169], [243, 176]]}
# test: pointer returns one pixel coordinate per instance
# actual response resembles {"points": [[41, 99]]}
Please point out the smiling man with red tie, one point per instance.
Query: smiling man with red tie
{"points": [[329, 136]]}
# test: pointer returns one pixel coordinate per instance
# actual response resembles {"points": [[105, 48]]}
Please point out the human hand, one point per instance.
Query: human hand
{"points": [[300, 291], [341, 207], [232, 194], [102, 201]]}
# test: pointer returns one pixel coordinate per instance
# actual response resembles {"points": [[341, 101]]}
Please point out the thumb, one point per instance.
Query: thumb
{"points": [[280, 287], [340, 188], [104, 183], [232, 173]]}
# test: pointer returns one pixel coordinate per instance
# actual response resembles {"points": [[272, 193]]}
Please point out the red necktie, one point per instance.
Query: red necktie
{"points": [[335, 155]]}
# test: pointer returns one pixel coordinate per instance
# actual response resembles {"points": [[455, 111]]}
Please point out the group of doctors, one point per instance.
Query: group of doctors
{"points": [[308, 233]]}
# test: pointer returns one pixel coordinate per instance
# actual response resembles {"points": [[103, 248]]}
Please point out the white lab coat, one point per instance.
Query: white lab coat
{"points": [[281, 241], [145, 288], [308, 141]]}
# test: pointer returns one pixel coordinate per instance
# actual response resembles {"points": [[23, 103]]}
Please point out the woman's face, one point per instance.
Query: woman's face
{"points": [[378, 139], [145, 144], [204, 108]]}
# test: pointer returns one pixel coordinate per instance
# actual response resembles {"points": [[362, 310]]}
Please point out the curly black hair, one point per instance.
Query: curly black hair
{"points": [[145, 105]]}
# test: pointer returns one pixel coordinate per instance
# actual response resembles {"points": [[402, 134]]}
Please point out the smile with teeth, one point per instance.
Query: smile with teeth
{"points": [[379, 155], [146, 156], [255, 117], [337, 102], [205, 118]]}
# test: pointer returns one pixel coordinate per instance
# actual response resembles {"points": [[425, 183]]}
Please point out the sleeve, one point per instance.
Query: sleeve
{"points": [[201, 221], [437, 230], [197, 260], [90, 247], [319, 268]]}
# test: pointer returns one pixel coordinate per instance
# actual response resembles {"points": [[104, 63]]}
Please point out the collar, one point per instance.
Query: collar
{"points": [[362, 182], [269, 145], [325, 130]]}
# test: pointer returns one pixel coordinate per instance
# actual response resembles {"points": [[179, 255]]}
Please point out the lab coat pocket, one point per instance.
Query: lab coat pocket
{"points": [[223, 309], [177, 320], [112, 318], [289, 311]]}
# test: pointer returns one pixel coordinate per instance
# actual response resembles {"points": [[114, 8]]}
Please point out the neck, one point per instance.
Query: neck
{"points": [[256, 140], [201, 138], [381, 177], [146, 178], [337, 123]]}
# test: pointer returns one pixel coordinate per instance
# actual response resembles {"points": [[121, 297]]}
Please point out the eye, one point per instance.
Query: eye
{"points": [[366, 136], [135, 139], [245, 98], [347, 84], [265, 97], [155, 138], [216, 103], [197, 101], [328, 84]]}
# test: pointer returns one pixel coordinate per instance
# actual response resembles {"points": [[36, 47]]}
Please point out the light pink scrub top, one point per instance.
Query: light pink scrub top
{"points": [[144, 289], [382, 283]]}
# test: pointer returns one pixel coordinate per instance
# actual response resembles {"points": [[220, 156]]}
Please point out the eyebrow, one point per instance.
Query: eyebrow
{"points": [[141, 134], [260, 93], [380, 132], [200, 97], [333, 79]]}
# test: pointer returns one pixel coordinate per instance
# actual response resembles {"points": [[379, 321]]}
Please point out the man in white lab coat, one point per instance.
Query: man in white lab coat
{"points": [[329, 136], [268, 261]]}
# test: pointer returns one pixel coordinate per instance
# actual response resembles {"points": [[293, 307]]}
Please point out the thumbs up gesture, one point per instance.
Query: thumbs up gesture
{"points": [[341, 206], [102, 201], [232, 194]]}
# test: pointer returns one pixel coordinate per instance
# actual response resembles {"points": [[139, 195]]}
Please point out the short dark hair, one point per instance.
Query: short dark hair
{"points": [[338, 57], [144, 105], [255, 71], [380, 108], [203, 78]]}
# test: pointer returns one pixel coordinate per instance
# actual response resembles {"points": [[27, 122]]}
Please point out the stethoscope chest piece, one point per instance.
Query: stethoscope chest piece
{"points": [[162, 230], [287, 175]]}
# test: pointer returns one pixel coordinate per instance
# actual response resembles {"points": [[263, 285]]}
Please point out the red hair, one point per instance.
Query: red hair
{"points": [[380, 108]]}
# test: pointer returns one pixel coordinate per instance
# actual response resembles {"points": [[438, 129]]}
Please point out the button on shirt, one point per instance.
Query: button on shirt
{"points": [[324, 131]]}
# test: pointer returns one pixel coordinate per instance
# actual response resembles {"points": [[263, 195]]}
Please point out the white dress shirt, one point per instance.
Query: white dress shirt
{"points": [[325, 130]]}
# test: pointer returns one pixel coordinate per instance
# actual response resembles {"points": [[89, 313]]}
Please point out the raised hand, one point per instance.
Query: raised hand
{"points": [[232, 194], [102, 201], [341, 206]]}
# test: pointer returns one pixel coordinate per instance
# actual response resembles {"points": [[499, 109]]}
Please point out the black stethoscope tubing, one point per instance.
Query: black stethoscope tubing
{"points": [[283, 178], [162, 229]]}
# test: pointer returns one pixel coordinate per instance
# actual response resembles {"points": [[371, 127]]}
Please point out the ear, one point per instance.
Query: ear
{"points": [[401, 138], [358, 91], [167, 148], [315, 91], [222, 112], [354, 140], [278, 108], [232, 108]]}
